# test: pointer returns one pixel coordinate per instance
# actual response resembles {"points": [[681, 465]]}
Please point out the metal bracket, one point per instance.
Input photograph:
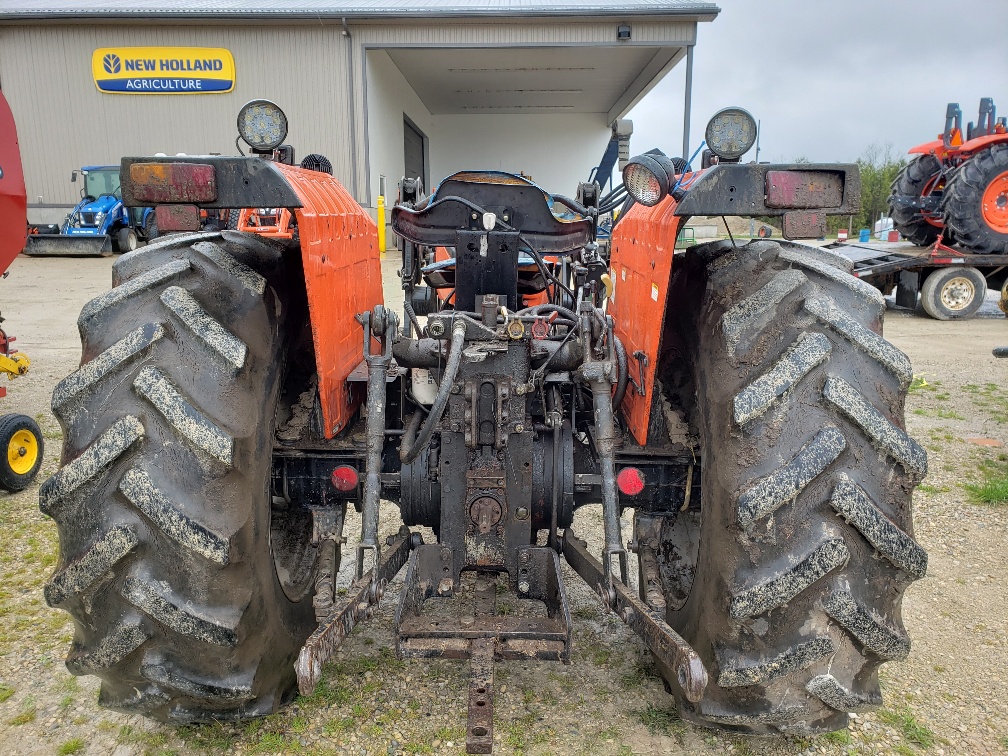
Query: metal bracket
{"points": [[665, 643], [356, 606]]}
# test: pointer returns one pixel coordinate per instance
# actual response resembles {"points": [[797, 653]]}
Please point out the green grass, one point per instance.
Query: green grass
{"points": [[661, 721], [27, 715], [72, 746], [993, 490], [839, 737], [903, 720], [6, 691], [918, 383]]}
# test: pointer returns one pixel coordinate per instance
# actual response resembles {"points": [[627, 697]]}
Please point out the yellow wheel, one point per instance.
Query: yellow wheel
{"points": [[23, 440]]}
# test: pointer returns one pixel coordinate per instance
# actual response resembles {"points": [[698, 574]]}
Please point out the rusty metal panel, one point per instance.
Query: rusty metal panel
{"points": [[641, 267], [339, 247], [804, 189], [804, 224], [154, 183], [177, 218]]}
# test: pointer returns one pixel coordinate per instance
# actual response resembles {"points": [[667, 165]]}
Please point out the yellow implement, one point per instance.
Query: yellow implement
{"points": [[14, 364]]}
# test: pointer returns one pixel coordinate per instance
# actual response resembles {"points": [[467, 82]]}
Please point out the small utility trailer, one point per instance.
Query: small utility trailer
{"points": [[952, 284]]}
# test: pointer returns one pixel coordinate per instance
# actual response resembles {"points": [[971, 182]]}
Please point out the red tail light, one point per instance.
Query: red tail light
{"points": [[630, 481], [345, 478]]}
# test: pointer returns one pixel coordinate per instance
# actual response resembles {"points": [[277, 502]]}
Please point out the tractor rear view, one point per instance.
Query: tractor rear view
{"points": [[237, 393], [957, 186]]}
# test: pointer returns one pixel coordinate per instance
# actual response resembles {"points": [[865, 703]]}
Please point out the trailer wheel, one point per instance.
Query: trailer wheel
{"points": [[21, 437], [151, 232], [953, 293], [976, 202], [789, 579], [126, 240], [917, 179], [192, 596]]}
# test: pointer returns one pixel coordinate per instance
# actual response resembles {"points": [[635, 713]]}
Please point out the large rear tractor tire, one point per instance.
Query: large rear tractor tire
{"points": [[788, 581], [976, 202], [916, 179], [191, 596]]}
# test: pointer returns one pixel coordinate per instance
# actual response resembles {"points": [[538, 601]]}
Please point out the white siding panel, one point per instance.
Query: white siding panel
{"points": [[65, 122]]}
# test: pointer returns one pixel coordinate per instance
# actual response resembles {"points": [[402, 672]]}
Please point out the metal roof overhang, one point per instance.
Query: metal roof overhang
{"points": [[519, 80], [301, 10]]}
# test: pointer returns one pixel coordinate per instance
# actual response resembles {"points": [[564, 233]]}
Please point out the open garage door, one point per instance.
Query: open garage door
{"points": [[415, 157]]}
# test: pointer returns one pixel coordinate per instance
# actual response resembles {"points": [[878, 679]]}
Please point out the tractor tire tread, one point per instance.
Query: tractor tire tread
{"points": [[961, 202], [793, 600]]}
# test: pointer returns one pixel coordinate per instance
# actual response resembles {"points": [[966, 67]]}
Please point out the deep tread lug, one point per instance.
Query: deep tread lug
{"points": [[149, 599], [221, 342], [249, 279], [80, 574], [187, 421], [829, 690], [886, 436], [855, 506], [106, 449], [792, 660], [864, 339], [140, 490], [128, 348], [770, 594], [168, 678], [775, 490], [872, 296], [124, 291], [810, 350], [748, 312], [110, 650], [872, 631]]}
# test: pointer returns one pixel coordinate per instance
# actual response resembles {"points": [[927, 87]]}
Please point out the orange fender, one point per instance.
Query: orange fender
{"points": [[643, 243], [343, 277]]}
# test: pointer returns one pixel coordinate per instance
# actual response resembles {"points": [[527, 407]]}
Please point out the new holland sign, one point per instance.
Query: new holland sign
{"points": [[163, 70]]}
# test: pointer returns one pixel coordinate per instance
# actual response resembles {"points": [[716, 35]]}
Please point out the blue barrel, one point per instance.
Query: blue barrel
{"points": [[865, 235]]}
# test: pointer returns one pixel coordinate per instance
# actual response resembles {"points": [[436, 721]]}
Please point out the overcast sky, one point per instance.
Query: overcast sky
{"points": [[829, 78]]}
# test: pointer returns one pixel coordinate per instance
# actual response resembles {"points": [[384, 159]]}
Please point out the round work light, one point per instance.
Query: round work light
{"points": [[262, 125]]}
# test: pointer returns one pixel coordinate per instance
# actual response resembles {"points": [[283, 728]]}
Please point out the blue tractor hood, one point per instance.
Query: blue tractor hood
{"points": [[102, 204]]}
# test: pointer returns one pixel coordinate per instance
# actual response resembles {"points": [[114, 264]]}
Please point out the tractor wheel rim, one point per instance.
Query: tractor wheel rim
{"points": [[22, 452], [994, 203], [958, 293]]}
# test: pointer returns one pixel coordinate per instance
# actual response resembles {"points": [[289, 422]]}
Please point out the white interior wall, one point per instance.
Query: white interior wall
{"points": [[389, 96], [556, 150]]}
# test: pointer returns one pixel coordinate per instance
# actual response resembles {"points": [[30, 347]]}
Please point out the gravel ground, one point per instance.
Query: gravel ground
{"points": [[949, 697]]}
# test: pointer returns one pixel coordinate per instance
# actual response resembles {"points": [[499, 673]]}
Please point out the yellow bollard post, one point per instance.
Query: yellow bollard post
{"points": [[381, 224]]}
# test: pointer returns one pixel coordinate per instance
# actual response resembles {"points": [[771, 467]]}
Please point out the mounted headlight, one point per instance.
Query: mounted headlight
{"points": [[730, 133], [648, 177], [262, 125]]}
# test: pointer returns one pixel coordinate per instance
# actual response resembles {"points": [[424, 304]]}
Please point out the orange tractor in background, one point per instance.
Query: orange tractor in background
{"points": [[237, 394], [956, 188]]}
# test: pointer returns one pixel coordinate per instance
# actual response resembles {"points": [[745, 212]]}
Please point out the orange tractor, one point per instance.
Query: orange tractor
{"points": [[237, 393], [957, 186]]}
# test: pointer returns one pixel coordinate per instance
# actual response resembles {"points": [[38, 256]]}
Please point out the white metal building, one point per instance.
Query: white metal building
{"points": [[381, 87]]}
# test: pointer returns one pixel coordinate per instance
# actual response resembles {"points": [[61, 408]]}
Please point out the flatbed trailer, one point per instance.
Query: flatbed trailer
{"points": [[951, 284]]}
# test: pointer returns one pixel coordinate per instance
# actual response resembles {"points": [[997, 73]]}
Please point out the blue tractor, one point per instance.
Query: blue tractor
{"points": [[100, 224]]}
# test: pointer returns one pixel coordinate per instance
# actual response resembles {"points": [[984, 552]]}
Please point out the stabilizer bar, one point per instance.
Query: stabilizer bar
{"points": [[357, 605], [665, 643]]}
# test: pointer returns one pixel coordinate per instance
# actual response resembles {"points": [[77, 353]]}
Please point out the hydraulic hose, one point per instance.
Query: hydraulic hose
{"points": [[624, 373], [410, 448]]}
